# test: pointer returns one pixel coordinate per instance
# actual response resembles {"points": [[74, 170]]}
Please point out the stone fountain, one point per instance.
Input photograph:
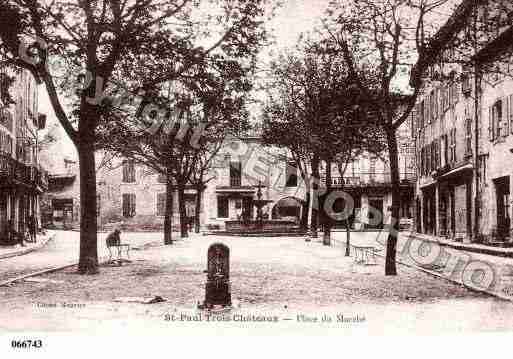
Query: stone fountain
{"points": [[259, 225]]}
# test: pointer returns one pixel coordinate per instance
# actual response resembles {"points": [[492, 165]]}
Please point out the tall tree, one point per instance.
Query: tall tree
{"points": [[313, 97], [195, 118], [141, 43], [382, 40]]}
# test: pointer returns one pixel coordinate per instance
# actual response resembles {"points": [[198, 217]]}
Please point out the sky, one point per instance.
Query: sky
{"points": [[293, 18]]}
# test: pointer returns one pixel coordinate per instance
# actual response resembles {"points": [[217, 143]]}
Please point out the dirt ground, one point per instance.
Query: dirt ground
{"points": [[282, 277]]}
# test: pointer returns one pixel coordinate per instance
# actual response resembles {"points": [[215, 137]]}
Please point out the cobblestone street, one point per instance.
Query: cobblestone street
{"points": [[294, 280]]}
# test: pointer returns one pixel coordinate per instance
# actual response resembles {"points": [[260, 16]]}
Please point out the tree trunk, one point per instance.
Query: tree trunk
{"points": [[390, 259], [88, 260], [348, 238], [326, 214], [184, 226], [168, 219], [304, 212], [197, 210], [314, 221]]}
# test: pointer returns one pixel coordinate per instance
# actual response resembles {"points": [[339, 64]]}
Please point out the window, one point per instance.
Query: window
{"points": [[445, 157], [511, 112], [438, 153], [222, 207], [161, 178], [5, 143], [436, 94], [421, 161], [452, 146], [433, 156], [235, 174], [372, 169], [465, 84], [161, 204], [6, 119], [421, 115], [428, 108], [98, 205], [356, 168], [468, 136], [128, 205], [291, 173], [498, 124], [414, 121], [428, 159], [128, 171], [432, 112], [482, 169]]}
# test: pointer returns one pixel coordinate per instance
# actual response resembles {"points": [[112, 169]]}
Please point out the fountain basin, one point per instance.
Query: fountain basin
{"points": [[266, 227]]}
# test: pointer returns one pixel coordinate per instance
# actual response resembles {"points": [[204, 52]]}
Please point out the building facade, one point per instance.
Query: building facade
{"points": [[22, 180], [133, 197], [244, 166], [463, 134], [129, 196]]}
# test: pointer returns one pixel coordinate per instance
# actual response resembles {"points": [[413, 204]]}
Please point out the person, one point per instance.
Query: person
{"points": [[32, 228], [113, 239]]}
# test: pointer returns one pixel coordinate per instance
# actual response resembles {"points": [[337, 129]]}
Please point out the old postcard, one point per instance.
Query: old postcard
{"points": [[255, 167]]}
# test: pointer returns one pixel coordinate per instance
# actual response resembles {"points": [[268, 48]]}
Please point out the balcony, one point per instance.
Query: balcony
{"points": [[235, 181], [365, 179], [14, 170]]}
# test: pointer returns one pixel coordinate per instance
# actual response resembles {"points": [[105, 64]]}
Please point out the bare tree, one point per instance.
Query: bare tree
{"points": [[316, 115]]}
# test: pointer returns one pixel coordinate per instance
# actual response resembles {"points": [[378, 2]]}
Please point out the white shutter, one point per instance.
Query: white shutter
{"points": [[510, 113], [505, 117], [490, 123]]}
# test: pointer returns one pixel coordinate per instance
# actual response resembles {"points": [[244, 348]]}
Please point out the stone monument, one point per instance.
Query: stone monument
{"points": [[217, 288]]}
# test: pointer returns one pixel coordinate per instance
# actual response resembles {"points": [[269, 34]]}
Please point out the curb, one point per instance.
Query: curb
{"points": [[44, 271], [488, 250], [54, 269], [28, 250]]}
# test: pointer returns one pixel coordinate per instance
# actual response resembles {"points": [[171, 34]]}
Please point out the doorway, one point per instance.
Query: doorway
{"points": [[502, 201], [3, 215]]}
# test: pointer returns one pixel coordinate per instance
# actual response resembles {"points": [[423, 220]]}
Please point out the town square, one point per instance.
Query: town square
{"points": [[286, 166]]}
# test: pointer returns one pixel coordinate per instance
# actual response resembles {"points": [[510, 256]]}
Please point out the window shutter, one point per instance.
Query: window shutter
{"points": [[429, 108], [505, 116], [510, 113], [125, 205], [132, 205], [490, 123]]}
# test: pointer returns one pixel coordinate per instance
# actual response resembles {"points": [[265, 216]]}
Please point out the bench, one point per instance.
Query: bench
{"points": [[120, 247], [365, 255]]}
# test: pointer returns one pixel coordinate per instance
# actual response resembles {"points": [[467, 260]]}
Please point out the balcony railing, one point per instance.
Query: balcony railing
{"points": [[13, 169], [235, 181], [367, 179]]}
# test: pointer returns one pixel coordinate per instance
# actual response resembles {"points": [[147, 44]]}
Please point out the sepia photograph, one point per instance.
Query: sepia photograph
{"points": [[255, 167]]}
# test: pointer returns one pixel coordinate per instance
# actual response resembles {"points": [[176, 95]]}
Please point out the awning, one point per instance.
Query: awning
{"points": [[427, 184], [459, 170]]}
